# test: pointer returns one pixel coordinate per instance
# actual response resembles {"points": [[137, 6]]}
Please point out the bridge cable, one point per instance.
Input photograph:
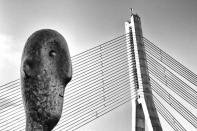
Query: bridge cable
{"points": [[174, 103], [168, 116], [170, 62], [173, 82]]}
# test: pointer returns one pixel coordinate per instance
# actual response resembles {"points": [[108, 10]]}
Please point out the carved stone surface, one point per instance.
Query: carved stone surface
{"points": [[46, 69]]}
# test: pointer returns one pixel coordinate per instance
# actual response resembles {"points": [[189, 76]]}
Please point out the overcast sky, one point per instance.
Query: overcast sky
{"points": [[170, 24]]}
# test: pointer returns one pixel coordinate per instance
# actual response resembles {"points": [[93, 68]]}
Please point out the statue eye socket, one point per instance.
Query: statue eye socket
{"points": [[52, 53]]}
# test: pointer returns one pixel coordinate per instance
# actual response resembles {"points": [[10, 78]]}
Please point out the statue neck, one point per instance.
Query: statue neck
{"points": [[32, 125]]}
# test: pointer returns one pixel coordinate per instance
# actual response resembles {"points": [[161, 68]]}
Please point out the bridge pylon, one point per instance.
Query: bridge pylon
{"points": [[143, 108]]}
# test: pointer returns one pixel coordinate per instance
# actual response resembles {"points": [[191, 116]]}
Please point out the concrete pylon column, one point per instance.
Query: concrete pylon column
{"points": [[143, 108]]}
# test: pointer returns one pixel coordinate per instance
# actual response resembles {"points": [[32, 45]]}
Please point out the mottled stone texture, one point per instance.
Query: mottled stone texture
{"points": [[140, 119], [45, 71]]}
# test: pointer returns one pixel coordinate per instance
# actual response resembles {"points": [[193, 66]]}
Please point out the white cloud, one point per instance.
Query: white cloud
{"points": [[10, 59]]}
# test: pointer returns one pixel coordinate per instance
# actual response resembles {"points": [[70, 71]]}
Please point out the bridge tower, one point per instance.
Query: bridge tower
{"points": [[143, 108]]}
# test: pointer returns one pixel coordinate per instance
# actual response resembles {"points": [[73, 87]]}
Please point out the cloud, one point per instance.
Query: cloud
{"points": [[10, 59]]}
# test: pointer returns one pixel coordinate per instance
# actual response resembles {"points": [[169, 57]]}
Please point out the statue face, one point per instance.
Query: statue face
{"points": [[45, 71]]}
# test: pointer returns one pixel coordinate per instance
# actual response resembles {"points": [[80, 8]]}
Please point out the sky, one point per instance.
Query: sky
{"points": [[170, 24]]}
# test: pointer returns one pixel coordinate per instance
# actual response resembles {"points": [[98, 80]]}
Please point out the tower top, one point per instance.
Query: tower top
{"points": [[131, 10], [133, 17]]}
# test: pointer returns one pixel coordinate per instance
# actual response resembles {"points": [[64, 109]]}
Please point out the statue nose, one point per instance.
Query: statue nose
{"points": [[28, 67]]}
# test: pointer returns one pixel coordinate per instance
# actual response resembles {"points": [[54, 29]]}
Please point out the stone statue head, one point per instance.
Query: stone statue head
{"points": [[46, 69]]}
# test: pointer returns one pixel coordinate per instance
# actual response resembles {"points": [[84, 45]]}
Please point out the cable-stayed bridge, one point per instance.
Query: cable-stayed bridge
{"points": [[103, 80]]}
